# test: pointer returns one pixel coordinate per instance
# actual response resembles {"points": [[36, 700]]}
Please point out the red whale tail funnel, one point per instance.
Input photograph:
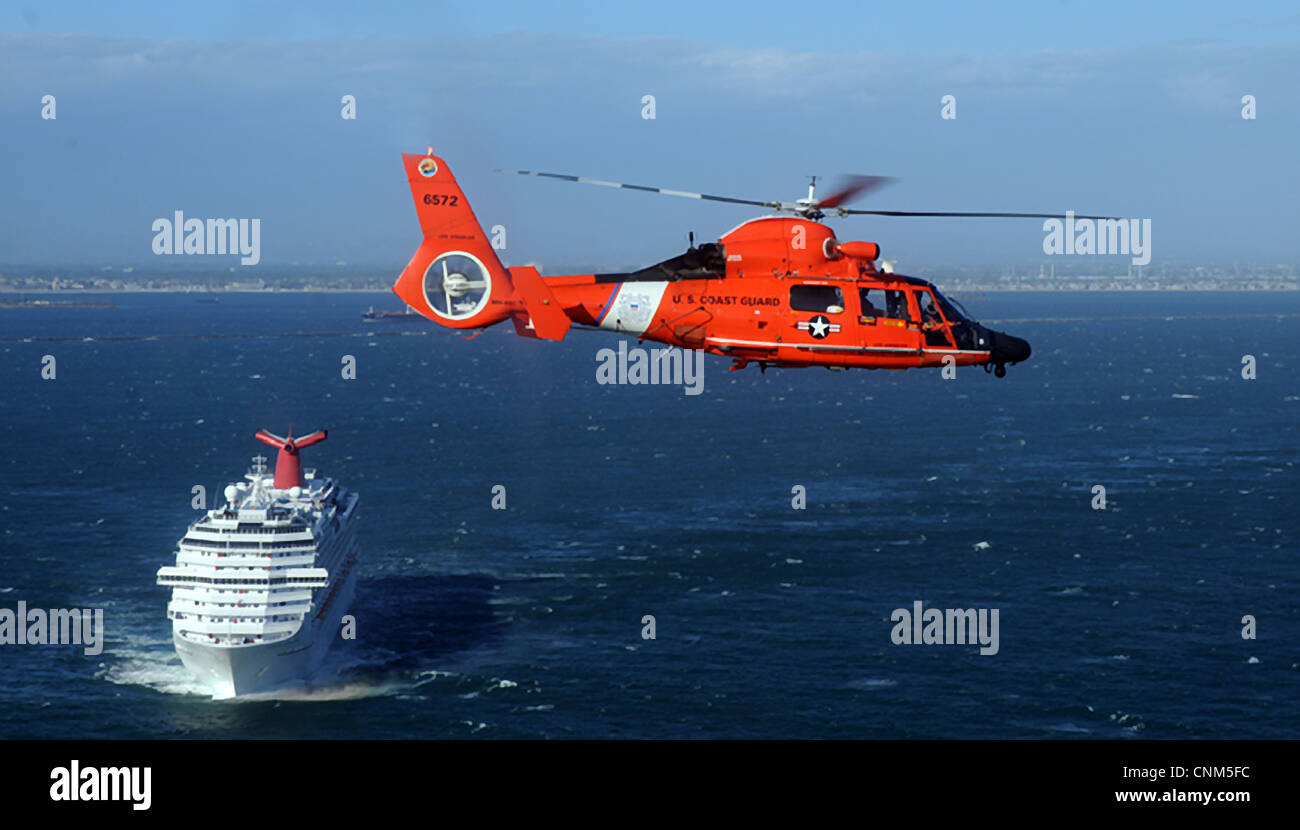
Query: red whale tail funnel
{"points": [[288, 464]]}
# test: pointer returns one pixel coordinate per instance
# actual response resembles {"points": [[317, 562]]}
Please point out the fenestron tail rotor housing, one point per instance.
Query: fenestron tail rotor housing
{"points": [[457, 285]]}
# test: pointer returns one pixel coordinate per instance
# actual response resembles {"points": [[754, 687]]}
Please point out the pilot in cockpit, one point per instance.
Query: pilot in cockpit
{"points": [[868, 310], [929, 314]]}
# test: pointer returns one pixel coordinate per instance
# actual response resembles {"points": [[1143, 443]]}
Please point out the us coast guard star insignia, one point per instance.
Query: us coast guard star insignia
{"points": [[819, 326]]}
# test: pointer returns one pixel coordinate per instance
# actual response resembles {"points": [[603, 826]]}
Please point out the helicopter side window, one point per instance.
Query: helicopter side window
{"points": [[870, 310], [929, 314], [824, 299], [882, 306], [879, 304]]}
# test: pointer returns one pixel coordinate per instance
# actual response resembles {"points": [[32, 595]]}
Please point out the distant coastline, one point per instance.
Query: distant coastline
{"points": [[378, 278], [6, 303]]}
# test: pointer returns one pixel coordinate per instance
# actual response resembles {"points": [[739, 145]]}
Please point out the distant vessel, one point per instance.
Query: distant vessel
{"points": [[260, 585], [373, 316]]}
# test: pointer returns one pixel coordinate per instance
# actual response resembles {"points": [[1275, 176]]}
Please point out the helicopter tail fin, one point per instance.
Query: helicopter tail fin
{"points": [[455, 277]]}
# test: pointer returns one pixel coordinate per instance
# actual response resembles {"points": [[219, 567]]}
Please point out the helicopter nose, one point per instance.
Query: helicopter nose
{"points": [[1009, 349]]}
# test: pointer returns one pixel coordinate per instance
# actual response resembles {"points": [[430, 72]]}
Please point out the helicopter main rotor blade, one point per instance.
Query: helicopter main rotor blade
{"points": [[684, 194], [853, 188], [845, 212]]}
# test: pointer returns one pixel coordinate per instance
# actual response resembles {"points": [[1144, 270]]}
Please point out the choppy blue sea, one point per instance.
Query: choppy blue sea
{"points": [[626, 501]]}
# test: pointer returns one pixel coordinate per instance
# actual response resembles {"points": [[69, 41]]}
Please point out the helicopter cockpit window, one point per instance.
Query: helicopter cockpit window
{"points": [[929, 314], [932, 322], [965, 331], [952, 309], [825, 299]]}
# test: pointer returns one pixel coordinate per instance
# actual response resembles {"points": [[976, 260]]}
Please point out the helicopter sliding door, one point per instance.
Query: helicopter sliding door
{"points": [[817, 321], [886, 323]]}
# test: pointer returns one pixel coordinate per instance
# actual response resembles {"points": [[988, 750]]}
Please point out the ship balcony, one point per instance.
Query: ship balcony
{"points": [[234, 621], [211, 625], [229, 568], [190, 609], [272, 529], [264, 616], [250, 581], [247, 548], [286, 532], [239, 629], [216, 578], [251, 548], [280, 559], [204, 595], [227, 625], [306, 577]]}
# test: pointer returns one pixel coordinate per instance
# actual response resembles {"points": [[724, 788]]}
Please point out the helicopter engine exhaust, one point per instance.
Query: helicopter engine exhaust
{"points": [[868, 251]]}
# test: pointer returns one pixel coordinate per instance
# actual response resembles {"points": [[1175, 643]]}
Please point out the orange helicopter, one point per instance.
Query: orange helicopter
{"points": [[778, 290]]}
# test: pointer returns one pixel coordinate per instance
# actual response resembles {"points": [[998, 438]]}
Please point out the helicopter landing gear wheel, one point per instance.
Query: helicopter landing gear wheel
{"points": [[1000, 370]]}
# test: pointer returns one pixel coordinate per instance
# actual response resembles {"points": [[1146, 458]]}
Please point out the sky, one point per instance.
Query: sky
{"points": [[234, 110]]}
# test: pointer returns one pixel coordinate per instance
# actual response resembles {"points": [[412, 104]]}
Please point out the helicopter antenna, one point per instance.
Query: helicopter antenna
{"points": [[691, 236], [812, 187]]}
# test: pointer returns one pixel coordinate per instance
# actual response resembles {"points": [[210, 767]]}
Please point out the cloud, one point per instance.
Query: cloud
{"points": [[252, 128]]}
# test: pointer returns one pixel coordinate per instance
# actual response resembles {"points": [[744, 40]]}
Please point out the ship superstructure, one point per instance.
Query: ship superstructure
{"points": [[260, 585]]}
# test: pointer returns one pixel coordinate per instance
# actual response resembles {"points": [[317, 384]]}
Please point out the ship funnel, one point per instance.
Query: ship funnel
{"points": [[288, 466]]}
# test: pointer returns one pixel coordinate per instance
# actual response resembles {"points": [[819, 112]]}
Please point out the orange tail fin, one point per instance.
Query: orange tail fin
{"points": [[455, 277]]}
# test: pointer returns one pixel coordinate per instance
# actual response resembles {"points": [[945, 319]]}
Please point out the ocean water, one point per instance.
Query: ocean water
{"points": [[625, 501]]}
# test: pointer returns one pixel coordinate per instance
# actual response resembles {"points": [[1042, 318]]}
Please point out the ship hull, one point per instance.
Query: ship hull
{"points": [[237, 670]]}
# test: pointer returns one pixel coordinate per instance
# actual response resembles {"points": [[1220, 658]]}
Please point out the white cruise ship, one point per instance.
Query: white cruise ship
{"points": [[260, 585]]}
